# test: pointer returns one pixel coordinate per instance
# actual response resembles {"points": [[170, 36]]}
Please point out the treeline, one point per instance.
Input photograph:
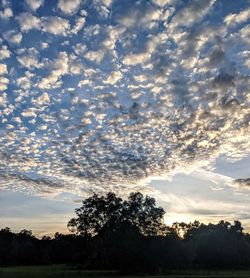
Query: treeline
{"points": [[130, 236]]}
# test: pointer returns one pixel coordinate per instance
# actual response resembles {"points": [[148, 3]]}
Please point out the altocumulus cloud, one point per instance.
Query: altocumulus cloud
{"points": [[243, 182], [106, 95]]}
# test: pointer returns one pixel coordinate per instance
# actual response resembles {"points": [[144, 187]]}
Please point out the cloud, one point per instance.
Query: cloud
{"points": [[75, 65], [3, 84], [223, 79], [4, 52], [95, 56], [59, 68], [69, 7], [163, 3], [24, 82], [6, 13], [233, 19], [2, 97], [80, 48], [147, 89], [102, 7], [27, 21], [13, 37], [144, 55], [245, 32], [79, 24], [134, 59], [245, 183], [113, 78], [140, 78], [55, 25], [34, 4], [28, 61], [113, 34], [42, 99], [193, 12], [3, 69], [139, 15], [29, 113]]}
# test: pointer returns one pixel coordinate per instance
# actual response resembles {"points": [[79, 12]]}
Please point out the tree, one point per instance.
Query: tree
{"points": [[109, 211], [142, 212], [26, 233], [95, 212]]}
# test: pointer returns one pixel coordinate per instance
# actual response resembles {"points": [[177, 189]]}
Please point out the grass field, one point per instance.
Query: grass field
{"points": [[66, 272]]}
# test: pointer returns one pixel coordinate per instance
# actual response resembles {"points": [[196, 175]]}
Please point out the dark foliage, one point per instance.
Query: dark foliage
{"points": [[129, 235], [109, 212]]}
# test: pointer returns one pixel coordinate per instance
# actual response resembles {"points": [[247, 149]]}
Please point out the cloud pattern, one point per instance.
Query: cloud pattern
{"points": [[242, 182], [98, 95]]}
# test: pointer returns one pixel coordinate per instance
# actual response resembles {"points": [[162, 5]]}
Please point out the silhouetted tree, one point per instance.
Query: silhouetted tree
{"points": [[99, 212], [129, 236]]}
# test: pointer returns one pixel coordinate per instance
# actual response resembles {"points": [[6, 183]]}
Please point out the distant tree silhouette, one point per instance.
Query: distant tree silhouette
{"points": [[129, 236], [109, 212]]}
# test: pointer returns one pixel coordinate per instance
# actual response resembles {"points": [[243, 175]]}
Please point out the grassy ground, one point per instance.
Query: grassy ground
{"points": [[66, 272]]}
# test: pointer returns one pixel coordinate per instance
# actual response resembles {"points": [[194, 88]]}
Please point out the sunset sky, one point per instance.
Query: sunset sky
{"points": [[123, 96]]}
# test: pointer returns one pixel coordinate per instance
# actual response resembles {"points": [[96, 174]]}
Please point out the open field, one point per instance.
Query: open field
{"points": [[63, 271]]}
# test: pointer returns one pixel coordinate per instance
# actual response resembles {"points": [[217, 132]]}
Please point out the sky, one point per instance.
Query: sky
{"points": [[124, 96]]}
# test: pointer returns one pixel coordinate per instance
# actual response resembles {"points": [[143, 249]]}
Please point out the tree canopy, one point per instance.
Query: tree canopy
{"points": [[129, 235], [109, 211]]}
